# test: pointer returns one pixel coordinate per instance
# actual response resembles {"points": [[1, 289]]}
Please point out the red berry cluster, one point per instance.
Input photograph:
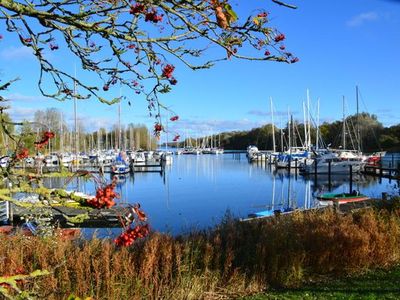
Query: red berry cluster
{"points": [[53, 47], [139, 213], [167, 71], [173, 81], [152, 16], [279, 38], [149, 15], [158, 128], [262, 15], [47, 135], [23, 153], [174, 118], [138, 8], [104, 197], [132, 234], [294, 60]]}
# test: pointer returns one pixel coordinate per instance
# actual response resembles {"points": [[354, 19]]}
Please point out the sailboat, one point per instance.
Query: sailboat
{"points": [[166, 156], [120, 166]]}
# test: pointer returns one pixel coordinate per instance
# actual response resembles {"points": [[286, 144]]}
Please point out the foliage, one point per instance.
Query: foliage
{"points": [[233, 259], [10, 284], [373, 136], [133, 43]]}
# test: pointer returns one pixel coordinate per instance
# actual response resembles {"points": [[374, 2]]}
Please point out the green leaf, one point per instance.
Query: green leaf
{"points": [[165, 89], [232, 16]]}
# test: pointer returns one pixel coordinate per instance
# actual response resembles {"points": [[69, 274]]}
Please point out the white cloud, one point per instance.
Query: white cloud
{"points": [[13, 52], [199, 127], [21, 113], [267, 114], [362, 19], [90, 123], [25, 98]]}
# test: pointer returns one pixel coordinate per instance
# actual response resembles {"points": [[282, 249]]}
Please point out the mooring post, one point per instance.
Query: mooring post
{"points": [[295, 168], [290, 163], [351, 178]]}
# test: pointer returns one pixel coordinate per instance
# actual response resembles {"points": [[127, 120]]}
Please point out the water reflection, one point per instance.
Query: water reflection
{"points": [[197, 191]]}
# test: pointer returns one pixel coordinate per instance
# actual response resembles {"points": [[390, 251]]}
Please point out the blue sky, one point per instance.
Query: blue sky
{"points": [[341, 44]]}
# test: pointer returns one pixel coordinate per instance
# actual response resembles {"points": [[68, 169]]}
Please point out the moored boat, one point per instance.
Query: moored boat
{"points": [[343, 197]]}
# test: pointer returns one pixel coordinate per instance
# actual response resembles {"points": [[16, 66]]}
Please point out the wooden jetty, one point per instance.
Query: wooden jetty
{"points": [[148, 167], [61, 215], [340, 207], [381, 171]]}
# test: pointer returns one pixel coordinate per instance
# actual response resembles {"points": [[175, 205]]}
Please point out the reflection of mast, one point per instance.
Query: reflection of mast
{"points": [[289, 188], [273, 193], [344, 127]]}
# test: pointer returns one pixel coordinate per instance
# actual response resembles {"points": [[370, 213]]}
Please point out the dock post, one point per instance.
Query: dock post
{"points": [[392, 161], [289, 163], [351, 179], [329, 176], [295, 168]]}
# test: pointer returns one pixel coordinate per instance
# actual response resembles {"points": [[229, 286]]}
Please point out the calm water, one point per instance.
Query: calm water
{"points": [[197, 191]]}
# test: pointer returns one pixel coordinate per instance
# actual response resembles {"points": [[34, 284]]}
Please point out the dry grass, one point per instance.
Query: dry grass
{"points": [[230, 260]]}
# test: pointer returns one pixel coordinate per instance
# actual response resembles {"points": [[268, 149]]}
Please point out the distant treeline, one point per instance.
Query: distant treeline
{"points": [[131, 136], [362, 130]]}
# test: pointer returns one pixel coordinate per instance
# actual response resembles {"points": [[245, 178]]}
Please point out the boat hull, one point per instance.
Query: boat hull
{"points": [[342, 198]]}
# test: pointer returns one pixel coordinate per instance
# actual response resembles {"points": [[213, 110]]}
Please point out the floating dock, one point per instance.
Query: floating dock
{"points": [[60, 215]]}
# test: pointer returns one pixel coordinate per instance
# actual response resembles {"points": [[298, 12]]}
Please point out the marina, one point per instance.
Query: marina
{"points": [[197, 191]]}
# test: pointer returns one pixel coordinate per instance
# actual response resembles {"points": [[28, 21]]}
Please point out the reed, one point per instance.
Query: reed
{"points": [[230, 260]]}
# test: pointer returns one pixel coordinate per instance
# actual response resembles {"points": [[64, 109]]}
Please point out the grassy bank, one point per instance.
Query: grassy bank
{"points": [[377, 284], [232, 260]]}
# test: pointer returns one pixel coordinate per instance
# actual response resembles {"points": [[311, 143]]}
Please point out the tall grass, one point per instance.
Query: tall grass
{"points": [[230, 260]]}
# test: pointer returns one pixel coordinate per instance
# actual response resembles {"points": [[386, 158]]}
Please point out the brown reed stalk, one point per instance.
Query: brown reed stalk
{"points": [[230, 260]]}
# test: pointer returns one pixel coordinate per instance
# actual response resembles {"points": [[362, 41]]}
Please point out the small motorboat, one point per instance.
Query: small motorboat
{"points": [[269, 213], [355, 196], [120, 168]]}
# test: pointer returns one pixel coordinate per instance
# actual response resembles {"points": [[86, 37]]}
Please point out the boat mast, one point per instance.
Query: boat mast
{"points": [[358, 124], [273, 126], [61, 134], [76, 125], [308, 120], [344, 127], [290, 132], [106, 134], [119, 121], [166, 134], [305, 125], [317, 135]]}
